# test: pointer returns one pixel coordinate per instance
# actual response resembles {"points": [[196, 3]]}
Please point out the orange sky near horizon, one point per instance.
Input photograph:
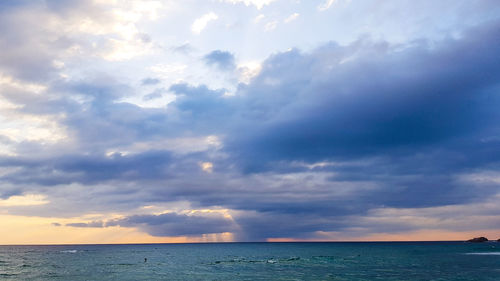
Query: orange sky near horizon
{"points": [[22, 230], [420, 235]]}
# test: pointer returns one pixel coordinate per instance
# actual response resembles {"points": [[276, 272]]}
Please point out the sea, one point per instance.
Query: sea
{"points": [[254, 261]]}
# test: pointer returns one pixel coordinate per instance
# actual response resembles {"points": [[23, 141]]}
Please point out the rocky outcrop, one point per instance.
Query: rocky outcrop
{"points": [[478, 240]]}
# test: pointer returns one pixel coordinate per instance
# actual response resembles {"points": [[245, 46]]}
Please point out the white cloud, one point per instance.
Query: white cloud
{"points": [[119, 50], [257, 3], [168, 69], [18, 126], [491, 177], [182, 145], [24, 200], [271, 25], [326, 5], [200, 23], [248, 70], [42, 129], [258, 18], [118, 21], [292, 17]]}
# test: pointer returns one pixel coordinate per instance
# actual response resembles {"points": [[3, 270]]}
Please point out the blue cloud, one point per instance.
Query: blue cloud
{"points": [[221, 59], [383, 101], [157, 93], [150, 81]]}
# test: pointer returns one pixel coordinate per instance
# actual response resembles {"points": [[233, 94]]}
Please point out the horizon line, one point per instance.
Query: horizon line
{"points": [[242, 242]]}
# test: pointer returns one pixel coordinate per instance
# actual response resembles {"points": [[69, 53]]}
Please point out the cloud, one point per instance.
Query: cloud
{"points": [[200, 23], [184, 48], [150, 81], [259, 4], [97, 224], [258, 18], [201, 106], [292, 17], [326, 5], [90, 169], [25, 200], [207, 167], [84, 28], [221, 59], [304, 107], [248, 70], [316, 99], [271, 25], [157, 93], [172, 224]]}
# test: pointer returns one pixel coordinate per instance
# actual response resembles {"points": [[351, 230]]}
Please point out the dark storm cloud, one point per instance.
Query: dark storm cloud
{"points": [[169, 224], [259, 226], [91, 169], [360, 100], [221, 59], [384, 100], [421, 111], [172, 224]]}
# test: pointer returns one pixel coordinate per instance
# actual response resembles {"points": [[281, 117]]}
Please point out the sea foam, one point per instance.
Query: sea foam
{"points": [[486, 254], [69, 251]]}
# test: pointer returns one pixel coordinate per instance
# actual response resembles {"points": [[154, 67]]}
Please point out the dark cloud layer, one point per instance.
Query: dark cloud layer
{"points": [[169, 224], [382, 101]]}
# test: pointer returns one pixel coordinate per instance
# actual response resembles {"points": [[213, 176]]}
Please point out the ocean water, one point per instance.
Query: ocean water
{"points": [[254, 261]]}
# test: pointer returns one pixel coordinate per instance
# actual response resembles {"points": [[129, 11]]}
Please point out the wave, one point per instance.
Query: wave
{"points": [[8, 274], [266, 260], [69, 251], [485, 254]]}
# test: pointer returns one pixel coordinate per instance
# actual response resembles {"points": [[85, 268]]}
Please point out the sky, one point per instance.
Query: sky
{"points": [[249, 120]]}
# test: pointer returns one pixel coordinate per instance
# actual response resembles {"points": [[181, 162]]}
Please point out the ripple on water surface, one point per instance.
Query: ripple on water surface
{"points": [[253, 261]]}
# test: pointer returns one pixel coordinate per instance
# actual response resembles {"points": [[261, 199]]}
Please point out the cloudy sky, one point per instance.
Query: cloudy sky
{"points": [[249, 120]]}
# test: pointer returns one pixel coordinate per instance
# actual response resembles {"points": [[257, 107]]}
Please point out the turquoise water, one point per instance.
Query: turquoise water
{"points": [[254, 261]]}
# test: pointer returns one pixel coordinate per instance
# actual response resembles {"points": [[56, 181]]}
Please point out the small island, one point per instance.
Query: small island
{"points": [[478, 240]]}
